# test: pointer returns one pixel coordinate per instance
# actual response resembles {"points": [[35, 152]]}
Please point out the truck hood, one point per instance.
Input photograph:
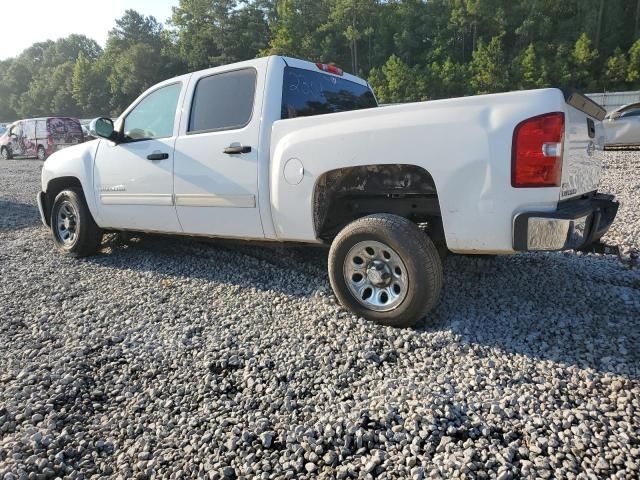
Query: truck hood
{"points": [[71, 152]]}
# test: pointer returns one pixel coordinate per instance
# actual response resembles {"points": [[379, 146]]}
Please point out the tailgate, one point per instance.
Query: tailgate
{"points": [[583, 146]]}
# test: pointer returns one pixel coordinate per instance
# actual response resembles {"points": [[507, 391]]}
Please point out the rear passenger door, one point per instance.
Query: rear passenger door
{"points": [[216, 154]]}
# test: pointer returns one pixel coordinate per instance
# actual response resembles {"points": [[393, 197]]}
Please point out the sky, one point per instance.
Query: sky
{"points": [[29, 21]]}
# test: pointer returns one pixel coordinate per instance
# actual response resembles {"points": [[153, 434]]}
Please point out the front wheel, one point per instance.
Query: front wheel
{"points": [[74, 230], [385, 269], [42, 154], [5, 154]]}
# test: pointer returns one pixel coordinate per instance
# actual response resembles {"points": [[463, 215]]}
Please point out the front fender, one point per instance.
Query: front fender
{"points": [[74, 162]]}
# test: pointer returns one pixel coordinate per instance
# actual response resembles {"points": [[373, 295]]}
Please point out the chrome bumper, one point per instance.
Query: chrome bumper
{"points": [[575, 224]]}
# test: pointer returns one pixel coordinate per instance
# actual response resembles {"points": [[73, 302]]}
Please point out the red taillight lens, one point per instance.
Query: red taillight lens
{"points": [[537, 151], [329, 68]]}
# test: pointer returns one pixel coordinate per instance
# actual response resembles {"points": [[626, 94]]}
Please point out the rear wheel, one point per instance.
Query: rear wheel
{"points": [[385, 269], [74, 230], [42, 154], [4, 153]]}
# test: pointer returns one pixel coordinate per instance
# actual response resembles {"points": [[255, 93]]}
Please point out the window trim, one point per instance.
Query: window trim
{"points": [[123, 140], [223, 129]]}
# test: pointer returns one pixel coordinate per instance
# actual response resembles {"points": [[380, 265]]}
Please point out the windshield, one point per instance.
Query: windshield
{"points": [[306, 93]]}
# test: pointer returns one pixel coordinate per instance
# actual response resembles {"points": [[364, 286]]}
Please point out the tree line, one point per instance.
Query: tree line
{"points": [[408, 50]]}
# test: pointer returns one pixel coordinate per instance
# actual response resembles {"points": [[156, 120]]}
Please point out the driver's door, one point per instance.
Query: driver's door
{"points": [[133, 178]]}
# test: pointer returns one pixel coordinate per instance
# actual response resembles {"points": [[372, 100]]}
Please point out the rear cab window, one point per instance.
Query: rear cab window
{"points": [[306, 93]]}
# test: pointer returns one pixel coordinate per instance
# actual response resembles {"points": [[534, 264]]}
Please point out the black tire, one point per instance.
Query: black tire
{"points": [[42, 153], [5, 154], [86, 236], [417, 253]]}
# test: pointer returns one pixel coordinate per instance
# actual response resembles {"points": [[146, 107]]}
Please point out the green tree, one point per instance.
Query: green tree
{"points": [[211, 33], [134, 59], [446, 79], [396, 82], [584, 59], [633, 69], [616, 70], [532, 71], [488, 67], [90, 87]]}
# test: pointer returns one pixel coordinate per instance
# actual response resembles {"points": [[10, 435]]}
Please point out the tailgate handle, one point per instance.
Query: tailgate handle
{"points": [[591, 127]]}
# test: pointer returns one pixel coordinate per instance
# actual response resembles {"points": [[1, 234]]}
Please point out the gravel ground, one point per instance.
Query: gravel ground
{"points": [[173, 358]]}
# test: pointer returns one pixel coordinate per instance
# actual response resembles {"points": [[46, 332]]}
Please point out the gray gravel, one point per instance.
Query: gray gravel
{"points": [[173, 358]]}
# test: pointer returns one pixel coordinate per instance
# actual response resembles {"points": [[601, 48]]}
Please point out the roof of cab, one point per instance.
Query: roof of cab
{"points": [[307, 65]]}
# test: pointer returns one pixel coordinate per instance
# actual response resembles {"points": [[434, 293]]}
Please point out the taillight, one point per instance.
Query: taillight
{"points": [[536, 155], [329, 68], [49, 140]]}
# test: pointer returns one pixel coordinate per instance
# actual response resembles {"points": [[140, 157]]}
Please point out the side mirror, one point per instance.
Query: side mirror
{"points": [[102, 127]]}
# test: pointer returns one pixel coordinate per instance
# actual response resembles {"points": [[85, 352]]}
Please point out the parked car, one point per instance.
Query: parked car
{"points": [[285, 150], [40, 137], [622, 126]]}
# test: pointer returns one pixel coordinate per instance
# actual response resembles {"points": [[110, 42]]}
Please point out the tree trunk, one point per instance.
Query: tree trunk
{"points": [[475, 36], [635, 33], [599, 28], [355, 42]]}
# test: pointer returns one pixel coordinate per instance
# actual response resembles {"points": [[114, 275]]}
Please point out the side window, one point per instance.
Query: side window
{"points": [[41, 128], [223, 101], [30, 129], [154, 116]]}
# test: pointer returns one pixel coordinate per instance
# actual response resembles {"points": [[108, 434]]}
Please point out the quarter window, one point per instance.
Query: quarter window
{"points": [[154, 116], [223, 101]]}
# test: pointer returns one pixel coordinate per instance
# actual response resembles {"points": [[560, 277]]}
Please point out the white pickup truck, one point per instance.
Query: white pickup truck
{"points": [[284, 150]]}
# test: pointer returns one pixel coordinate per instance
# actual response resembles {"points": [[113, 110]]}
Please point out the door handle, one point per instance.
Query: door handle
{"points": [[157, 156], [239, 149]]}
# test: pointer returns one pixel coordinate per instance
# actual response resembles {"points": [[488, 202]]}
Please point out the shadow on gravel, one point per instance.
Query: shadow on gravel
{"points": [[262, 267], [576, 310], [562, 307], [14, 216]]}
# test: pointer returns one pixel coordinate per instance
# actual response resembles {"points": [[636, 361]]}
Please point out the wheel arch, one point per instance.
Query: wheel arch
{"points": [[54, 187], [346, 194]]}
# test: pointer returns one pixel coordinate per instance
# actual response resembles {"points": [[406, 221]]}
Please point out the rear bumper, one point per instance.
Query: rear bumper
{"points": [[575, 224]]}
